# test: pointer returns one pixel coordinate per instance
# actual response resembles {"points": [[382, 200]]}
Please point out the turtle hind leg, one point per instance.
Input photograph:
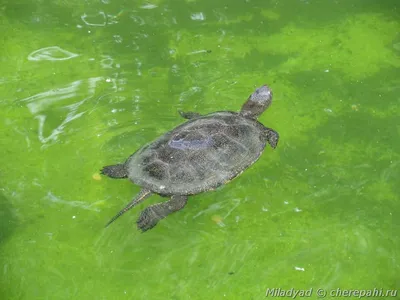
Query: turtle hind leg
{"points": [[151, 215], [189, 114], [115, 171]]}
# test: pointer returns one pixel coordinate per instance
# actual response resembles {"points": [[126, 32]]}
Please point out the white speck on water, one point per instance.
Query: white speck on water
{"points": [[299, 269], [79, 26], [297, 209], [162, 187], [148, 6], [108, 80], [197, 16], [73, 217], [285, 202], [326, 71], [117, 38], [175, 69], [305, 169], [112, 122], [89, 31], [328, 110], [264, 209]]}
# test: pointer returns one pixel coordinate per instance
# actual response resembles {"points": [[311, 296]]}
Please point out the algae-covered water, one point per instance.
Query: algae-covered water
{"points": [[83, 84]]}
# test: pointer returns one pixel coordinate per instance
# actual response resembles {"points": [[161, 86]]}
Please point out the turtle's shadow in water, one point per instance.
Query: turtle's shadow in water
{"points": [[7, 219]]}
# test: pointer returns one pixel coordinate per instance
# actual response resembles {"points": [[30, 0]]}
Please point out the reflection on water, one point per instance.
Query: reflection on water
{"points": [[186, 95], [51, 53], [68, 98], [81, 204]]}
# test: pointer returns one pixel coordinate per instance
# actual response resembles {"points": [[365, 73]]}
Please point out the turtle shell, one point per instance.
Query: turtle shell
{"points": [[199, 155]]}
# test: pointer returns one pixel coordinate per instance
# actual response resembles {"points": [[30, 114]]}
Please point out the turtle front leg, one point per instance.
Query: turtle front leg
{"points": [[151, 215], [272, 137], [189, 114]]}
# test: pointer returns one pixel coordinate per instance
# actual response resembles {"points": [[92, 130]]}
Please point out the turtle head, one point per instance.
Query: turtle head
{"points": [[257, 103]]}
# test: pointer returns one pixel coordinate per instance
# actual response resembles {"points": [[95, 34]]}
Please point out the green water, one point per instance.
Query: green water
{"points": [[319, 211]]}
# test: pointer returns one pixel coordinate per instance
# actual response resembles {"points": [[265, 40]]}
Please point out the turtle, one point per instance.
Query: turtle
{"points": [[199, 155]]}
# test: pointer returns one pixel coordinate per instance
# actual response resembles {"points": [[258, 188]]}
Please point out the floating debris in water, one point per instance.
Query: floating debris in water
{"points": [[96, 176], [264, 209], [218, 220], [296, 209], [299, 269], [199, 51], [328, 110], [355, 107]]}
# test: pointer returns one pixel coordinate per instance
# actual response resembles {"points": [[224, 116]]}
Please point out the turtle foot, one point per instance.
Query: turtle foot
{"points": [[147, 219]]}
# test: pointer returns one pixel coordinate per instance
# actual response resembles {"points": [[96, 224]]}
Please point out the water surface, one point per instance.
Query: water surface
{"points": [[85, 84]]}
